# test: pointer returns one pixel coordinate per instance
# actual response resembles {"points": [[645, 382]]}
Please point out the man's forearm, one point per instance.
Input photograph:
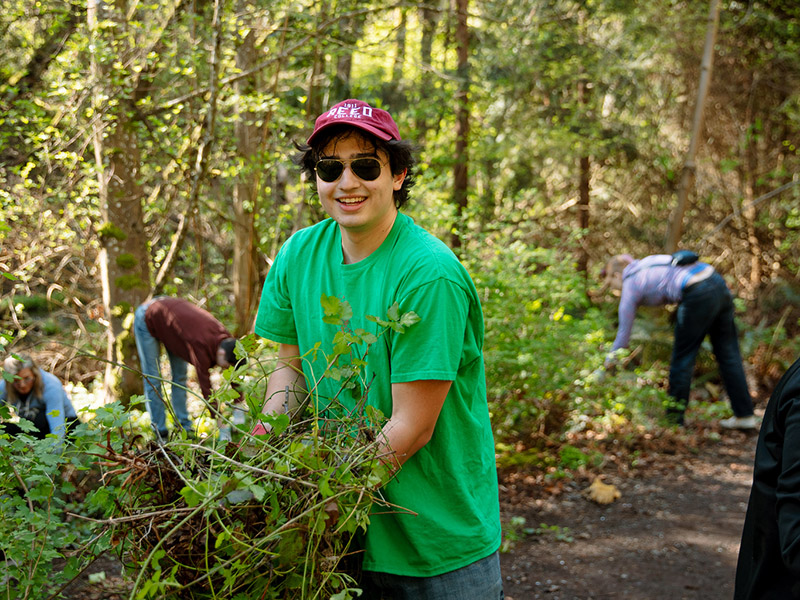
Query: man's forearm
{"points": [[285, 388], [415, 408], [284, 391], [399, 442]]}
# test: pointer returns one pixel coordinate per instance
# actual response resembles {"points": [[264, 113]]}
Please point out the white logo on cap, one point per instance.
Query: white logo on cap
{"points": [[352, 111]]}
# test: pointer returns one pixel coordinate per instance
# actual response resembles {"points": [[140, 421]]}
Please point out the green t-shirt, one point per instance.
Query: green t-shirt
{"points": [[451, 483]]}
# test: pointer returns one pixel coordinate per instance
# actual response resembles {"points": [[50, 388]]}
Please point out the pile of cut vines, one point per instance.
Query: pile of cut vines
{"points": [[273, 517]]}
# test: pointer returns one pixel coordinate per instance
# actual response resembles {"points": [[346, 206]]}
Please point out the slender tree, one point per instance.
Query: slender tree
{"points": [[429, 19], [461, 158], [246, 191], [124, 261], [689, 166]]}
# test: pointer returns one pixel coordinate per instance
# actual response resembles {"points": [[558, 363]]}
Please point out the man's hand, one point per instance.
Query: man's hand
{"points": [[612, 360], [598, 375]]}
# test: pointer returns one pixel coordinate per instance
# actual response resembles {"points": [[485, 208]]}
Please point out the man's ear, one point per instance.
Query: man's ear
{"points": [[398, 179]]}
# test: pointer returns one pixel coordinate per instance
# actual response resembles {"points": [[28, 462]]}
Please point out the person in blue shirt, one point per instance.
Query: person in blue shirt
{"points": [[37, 396], [705, 307]]}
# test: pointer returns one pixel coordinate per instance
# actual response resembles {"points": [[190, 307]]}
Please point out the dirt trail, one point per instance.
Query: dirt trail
{"points": [[673, 534]]}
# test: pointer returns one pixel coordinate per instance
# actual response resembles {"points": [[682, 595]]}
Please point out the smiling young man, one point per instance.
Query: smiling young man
{"points": [[429, 381]]}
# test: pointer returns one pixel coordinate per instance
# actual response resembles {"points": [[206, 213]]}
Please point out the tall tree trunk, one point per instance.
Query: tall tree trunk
{"points": [[688, 173], [351, 28], [340, 87], [429, 18], [245, 196], [750, 214], [584, 161], [315, 103], [460, 167], [124, 261], [396, 85], [200, 250], [750, 173], [583, 209]]}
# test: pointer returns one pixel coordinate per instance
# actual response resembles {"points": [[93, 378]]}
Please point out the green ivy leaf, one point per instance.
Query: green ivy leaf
{"points": [[258, 492], [223, 535], [193, 496], [365, 337], [279, 423], [409, 319], [394, 312], [239, 496], [331, 306], [325, 487], [337, 311]]}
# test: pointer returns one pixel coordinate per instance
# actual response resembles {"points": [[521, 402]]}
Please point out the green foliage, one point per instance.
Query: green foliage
{"points": [[272, 516], [540, 332], [129, 282], [558, 533], [126, 261], [346, 342], [573, 458], [515, 530], [110, 231], [122, 309], [276, 514], [38, 479], [33, 304]]}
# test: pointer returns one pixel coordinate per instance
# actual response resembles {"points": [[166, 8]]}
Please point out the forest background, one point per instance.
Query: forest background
{"points": [[145, 148]]}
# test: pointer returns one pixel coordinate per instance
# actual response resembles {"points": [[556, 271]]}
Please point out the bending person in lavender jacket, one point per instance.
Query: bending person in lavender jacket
{"points": [[705, 307]]}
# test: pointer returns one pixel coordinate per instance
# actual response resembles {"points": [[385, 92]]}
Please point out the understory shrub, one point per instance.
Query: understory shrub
{"points": [[541, 334], [44, 513], [264, 516]]}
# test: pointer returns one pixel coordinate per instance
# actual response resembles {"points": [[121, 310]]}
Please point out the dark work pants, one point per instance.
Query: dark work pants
{"points": [[480, 580], [707, 309]]}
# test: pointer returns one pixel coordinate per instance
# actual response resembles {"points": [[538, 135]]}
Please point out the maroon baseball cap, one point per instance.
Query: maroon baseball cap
{"points": [[357, 114]]}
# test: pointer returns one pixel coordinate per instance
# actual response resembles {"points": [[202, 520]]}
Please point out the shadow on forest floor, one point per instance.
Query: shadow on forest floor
{"points": [[674, 533]]}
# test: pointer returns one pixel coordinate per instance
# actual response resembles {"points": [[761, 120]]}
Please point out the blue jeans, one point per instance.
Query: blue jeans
{"points": [[479, 581], [149, 349], [707, 309]]}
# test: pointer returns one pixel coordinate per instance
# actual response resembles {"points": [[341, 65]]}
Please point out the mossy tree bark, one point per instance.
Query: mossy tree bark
{"points": [[461, 159], [124, 261], [246, 194]]}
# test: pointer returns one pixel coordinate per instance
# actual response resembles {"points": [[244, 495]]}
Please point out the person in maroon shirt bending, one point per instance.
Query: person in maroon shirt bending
{"points": [[190, 335]]}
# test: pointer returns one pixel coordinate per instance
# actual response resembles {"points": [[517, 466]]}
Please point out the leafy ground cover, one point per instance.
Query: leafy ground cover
{"points": [[674, 533], [559, 423]]}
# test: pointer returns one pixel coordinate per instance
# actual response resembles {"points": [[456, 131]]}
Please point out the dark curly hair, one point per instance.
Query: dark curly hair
{"points": [[228, 345], [400, 153]]}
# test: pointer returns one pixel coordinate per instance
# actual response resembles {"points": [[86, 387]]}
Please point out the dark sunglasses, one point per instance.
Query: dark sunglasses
{"points": [[330, 169]]}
